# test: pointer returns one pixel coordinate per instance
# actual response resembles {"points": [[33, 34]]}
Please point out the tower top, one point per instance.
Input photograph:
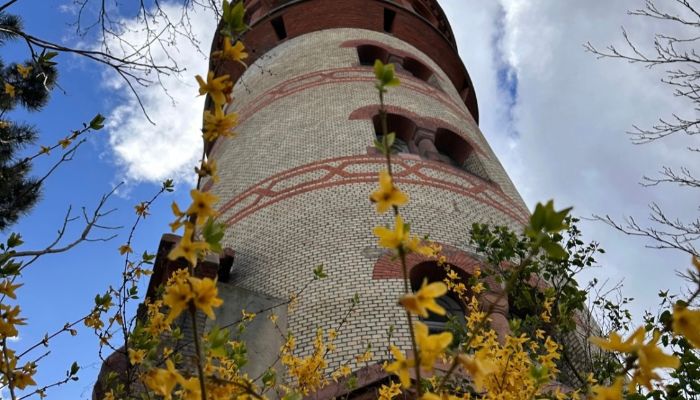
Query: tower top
{"points": [[420, 23]]}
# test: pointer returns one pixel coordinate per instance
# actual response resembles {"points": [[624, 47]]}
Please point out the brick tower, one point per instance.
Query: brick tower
{"points": [[295, 180]]}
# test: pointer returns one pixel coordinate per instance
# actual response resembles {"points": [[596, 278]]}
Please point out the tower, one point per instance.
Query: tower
{"points": [[294, 182]]}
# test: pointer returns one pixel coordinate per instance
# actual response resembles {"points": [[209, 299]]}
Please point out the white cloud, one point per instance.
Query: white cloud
{"points": [[171, 147], [570, 118]]}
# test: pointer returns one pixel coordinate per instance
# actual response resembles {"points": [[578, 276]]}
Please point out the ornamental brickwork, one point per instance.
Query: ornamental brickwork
{"points": [[294, 182]]}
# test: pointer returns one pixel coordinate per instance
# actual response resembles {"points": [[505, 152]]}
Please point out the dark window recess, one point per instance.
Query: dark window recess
{"points": [[403, 127], [280, 30], [368, 54], [417, 69], [389, 16]]}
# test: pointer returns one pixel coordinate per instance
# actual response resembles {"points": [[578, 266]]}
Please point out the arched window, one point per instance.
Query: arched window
{"points": [[431, 272], [403, 127], [368, 53], [455, 150], [417, 69]]}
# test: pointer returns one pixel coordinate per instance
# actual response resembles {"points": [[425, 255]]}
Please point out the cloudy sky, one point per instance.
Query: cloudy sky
{"points": [[555, 115]]}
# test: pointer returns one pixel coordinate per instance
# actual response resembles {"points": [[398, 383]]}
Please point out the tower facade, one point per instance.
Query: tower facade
{"points": [[294, 182]]}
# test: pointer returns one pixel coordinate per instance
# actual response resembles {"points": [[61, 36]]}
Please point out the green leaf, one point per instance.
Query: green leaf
{"points": [[379, 146], [269, 378], [292, 396], [74, 368], [97, 122], [378, 69], [318, 272], [168, 185], [14, 240], [390, 138], [213, 232]]}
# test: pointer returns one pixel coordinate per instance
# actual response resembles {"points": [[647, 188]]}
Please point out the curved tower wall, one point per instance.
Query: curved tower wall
{"points": [[294, 182]]}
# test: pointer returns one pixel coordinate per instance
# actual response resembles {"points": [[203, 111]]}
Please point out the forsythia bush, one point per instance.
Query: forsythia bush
{"points": [[468, 361]]}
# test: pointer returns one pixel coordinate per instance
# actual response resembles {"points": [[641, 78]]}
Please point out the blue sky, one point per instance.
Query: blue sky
{"points": [[555, 116]]}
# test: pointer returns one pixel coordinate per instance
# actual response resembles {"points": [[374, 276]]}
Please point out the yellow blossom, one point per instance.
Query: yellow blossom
{"points": [[208, 168], [9, 317], [424, 300], [273, 317], [162, 381], [125, 249], [8, 289], [9, 90], [188, 249], [430, 346], [696, 263], [217, 88], [190, 389], [478, 367], [44, 150], [234, 53], [136, 357], [205, 295], [686, 322], [387, 195], [218, 124], [178, 294], [64, 143], [24, 71], [141, 209], [201, 206], [389, 392], [400, 367], [613, 392], [247, 316], [615, 343], [650, 358]]}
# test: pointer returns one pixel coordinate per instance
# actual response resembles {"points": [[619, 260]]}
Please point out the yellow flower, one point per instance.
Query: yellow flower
{"points": [[387, 195], [686, 322], [9, 317], [442, 396], [615, 343], [696, 263], [431, 346], [218, 124], [136, 357], [24, 71], [400, 367], [178, 294], [392, 239], [218, 88], [162, 381], [124, 249], [201, 206], [8, 289], [141, 209], [190, 389], [273, 318], [208, 168], [188, 249], [389, 392], [205, 295], [424, 300], [64, 142], [651, 357], [478, 367], [613, 392], [9, 89], [234, 53]]}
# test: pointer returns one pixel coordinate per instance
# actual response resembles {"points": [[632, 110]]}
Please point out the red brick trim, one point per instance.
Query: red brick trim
{"points": [[339, 171], [334, 76], [387, 267]]}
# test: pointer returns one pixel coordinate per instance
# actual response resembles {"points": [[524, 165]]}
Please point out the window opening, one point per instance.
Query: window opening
{"points": [[389, 16], [403, 127], [369, 53], [280, 30], [430, 272], [417, 69]]}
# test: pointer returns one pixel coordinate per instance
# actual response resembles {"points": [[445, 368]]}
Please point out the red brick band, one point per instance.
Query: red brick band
{"points": [[339, 171]]}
